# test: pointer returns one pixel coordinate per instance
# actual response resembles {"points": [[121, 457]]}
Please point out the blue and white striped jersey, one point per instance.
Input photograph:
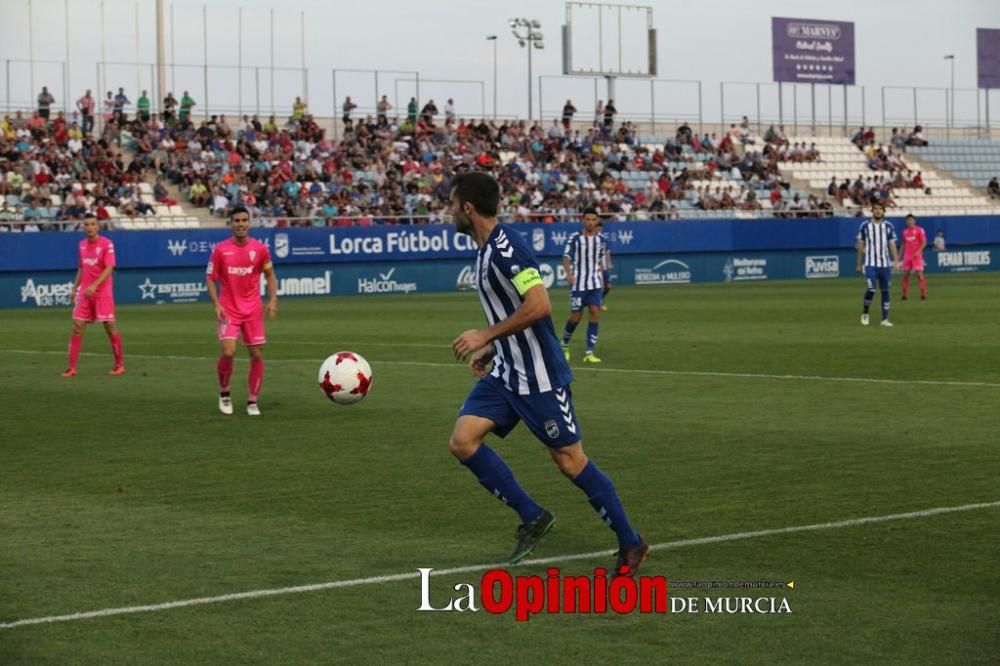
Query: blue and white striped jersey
{"points": [[530, 361], [586, 256], [876, 239]]}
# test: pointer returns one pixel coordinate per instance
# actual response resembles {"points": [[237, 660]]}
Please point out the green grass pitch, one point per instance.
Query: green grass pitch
{"points": [[716, 411]]}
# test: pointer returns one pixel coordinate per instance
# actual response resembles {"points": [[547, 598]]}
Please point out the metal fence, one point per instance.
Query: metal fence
{"points": [[656, 104]]}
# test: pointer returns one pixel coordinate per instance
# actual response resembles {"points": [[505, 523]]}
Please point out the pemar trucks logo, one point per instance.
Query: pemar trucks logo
{"points": [[960, 261]]}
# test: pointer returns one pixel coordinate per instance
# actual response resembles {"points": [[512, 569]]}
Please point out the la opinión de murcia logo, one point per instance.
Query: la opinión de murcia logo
{"points": [[499, 592]]}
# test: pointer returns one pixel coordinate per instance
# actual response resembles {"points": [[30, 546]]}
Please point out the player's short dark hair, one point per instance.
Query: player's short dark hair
{"points": [[909, 215], [90, 215], [590, 210], [479, 189], [237, 210]]}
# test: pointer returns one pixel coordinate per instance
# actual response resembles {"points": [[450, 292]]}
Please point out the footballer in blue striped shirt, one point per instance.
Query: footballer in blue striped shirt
{"points": [[523, 376], [875, 243], [584, 259]]}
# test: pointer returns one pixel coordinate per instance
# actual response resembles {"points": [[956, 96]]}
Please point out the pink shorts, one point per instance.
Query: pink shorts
{"points": [[913, 263], [94, 308], [251, 329]]}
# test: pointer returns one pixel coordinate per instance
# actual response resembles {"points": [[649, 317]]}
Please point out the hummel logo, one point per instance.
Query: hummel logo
{"points": [[507, 253]]}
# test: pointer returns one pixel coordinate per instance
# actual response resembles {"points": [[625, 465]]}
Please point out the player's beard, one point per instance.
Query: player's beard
{"points": [[463, 223]]}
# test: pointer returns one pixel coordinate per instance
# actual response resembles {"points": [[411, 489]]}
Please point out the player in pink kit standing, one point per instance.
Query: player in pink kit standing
{"points": [[237, 263], [92, 294], [914, 242]]}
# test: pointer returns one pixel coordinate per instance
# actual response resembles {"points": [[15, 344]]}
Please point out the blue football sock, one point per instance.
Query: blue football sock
{"points": [[494, 475], [869, 296], [591, 335], [885, 304], [603, 497], [568, 331]]}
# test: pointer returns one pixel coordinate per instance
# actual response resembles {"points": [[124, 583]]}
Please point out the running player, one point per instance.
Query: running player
{"points": [[583, 259], [914, 242], [876, 241], [238, 263], [529, 380], [93, 295]]}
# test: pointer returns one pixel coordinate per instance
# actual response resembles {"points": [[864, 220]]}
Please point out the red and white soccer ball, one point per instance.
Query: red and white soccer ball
{"points": [[345, 377]]}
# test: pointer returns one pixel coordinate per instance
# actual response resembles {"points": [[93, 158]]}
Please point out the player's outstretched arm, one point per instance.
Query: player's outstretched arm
{"points": [[535, 306]]}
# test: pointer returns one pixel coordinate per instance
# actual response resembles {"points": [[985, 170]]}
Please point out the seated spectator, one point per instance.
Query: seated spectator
{"points": [[897, 141], [916, 137], [220, 204], [859, 138], [993, 188], [939, 244], [797, 207]]}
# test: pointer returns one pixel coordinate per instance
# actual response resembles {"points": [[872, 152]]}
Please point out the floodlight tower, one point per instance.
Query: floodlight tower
{"points": [[528, 34]]}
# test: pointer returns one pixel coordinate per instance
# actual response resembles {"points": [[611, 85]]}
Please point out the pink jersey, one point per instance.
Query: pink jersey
{"points": [[913, 238], [94, 258], [238, 268]]}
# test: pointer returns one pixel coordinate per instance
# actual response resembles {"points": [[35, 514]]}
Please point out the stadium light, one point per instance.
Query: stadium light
{"points": [[528, 34], [951, 57], [493, 38]]}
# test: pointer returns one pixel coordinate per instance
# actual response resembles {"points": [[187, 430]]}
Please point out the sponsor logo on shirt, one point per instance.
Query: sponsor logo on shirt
{"points": [[239, 270], [825, 266]]}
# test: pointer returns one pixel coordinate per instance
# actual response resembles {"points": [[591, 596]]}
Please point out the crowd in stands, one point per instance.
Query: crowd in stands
{"points": [[52, 169], [864, 192], [386, 169]]}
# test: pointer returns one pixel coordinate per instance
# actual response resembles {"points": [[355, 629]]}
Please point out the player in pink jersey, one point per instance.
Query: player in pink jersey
{"points": [[914, 242], [237, 263], [92, 294]]}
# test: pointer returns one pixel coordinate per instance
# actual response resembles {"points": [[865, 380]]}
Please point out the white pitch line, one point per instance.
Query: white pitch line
{"points": [[376, 580], [637, 371]]}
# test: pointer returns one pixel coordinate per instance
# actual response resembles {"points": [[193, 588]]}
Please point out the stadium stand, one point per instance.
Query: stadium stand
{"points": [[152, 175], [902, 182], [52, 173], [973, 160]]}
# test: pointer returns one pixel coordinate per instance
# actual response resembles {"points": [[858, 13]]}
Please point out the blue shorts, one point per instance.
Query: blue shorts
{"points": [[550, 416], [878, 276], [580, 299]]}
